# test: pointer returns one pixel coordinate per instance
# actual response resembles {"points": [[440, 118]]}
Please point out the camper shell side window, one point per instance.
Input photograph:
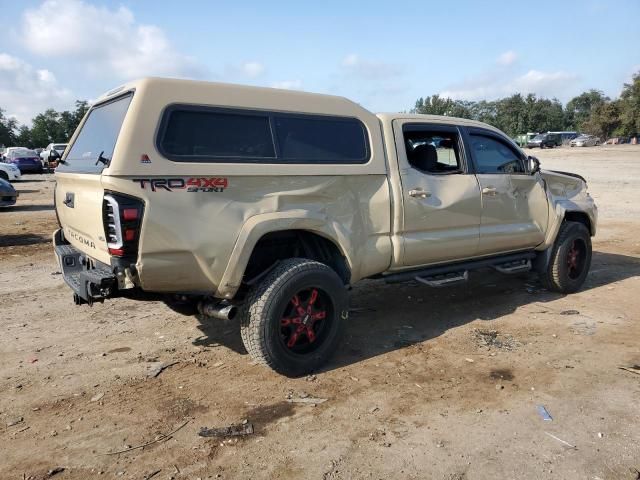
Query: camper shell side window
{"points": [[189, 133]]}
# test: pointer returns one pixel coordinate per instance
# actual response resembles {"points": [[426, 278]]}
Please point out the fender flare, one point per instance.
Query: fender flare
{"points": [[259, 225], [557, 217]]}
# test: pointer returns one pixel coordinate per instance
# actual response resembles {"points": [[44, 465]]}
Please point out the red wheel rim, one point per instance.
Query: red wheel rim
{"points": [[304, 321], [575, 258]]}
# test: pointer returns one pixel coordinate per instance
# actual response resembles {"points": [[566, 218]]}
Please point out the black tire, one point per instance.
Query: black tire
{"points": [[273, 330], [570, 259], [4, 175]]}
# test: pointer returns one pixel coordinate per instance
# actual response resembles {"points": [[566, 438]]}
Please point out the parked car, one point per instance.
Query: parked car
{"points": [[585, 141], [8, 194], [9, 171], [617, 140], [523, 139], [543, 140], [266, 205], [26, 160], [45, 155]]}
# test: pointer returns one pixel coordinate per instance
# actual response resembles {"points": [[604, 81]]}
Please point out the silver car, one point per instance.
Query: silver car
{"points": [[585, 141]]}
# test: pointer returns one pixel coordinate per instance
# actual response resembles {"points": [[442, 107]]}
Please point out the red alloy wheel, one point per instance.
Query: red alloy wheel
{"points": [[304, 320], [575, 258]]}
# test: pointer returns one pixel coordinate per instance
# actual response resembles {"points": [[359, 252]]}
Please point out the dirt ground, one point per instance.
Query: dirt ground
{"points": [[441, 384]]}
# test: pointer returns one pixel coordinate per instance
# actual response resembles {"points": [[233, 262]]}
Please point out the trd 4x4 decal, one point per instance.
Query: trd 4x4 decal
{"points": [[191, 184]]}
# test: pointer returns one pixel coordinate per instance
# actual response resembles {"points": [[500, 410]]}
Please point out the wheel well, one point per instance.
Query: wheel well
{"points": [[579, 217], [275, 246]]}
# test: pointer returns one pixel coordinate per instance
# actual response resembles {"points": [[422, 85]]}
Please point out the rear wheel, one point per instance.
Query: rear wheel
{"points": [[570, 259], [292, 321]]}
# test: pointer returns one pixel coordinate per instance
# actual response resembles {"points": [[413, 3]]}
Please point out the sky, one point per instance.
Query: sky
{"points": [[381, 54]]}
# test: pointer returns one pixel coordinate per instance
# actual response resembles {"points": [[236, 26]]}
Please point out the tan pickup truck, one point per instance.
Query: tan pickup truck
{"points": [[264, 205]]}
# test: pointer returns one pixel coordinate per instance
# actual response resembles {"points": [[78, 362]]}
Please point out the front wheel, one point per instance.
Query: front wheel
{"points": [[570, 259], [4, 175], [292, 321]]}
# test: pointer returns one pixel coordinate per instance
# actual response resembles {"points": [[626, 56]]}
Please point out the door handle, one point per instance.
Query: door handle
{"points": [[419, 193], [490, 191]]}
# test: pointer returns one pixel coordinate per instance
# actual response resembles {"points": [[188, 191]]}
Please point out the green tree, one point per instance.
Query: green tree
{"points": [[604, 120], [46, 128], [437, 105], [511, 114], [8, 128], [630, 107], [23, 138], [579, 108]]}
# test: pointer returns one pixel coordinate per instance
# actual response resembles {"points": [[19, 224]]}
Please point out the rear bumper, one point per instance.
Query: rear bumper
{"points": [[90, 280], [30, 168]]}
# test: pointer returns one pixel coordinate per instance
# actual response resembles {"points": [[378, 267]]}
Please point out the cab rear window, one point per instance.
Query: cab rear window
{"points": [[94, 145], [204, 134]]}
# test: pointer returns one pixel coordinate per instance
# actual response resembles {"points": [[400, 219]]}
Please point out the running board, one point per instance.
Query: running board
{"points": [[511, 263], [444, 280], [510, 268]]}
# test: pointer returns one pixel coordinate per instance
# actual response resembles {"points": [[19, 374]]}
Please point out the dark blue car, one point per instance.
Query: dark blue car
{"points": [[8, 194], [26, 160]]}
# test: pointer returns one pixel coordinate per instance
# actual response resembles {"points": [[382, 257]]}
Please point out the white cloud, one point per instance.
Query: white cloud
{"points": [[288, 84], [507, 58], [253, 69], [489, 87], [109, 42], [368, 69], [26, 91]]}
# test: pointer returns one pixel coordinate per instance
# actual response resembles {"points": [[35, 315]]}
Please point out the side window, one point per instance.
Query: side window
{"points": [[494, 156], [192, 133], [433, 151], [321, 140], [211, 134]]}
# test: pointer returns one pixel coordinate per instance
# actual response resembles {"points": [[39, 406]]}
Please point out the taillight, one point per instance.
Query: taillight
{"points": [[122, 217]]}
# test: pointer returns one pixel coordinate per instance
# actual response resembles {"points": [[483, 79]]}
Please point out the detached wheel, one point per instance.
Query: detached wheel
{"points": [[292, 321], [570, 259]]}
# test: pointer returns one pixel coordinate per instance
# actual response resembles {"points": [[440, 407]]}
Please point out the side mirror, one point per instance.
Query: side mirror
{"points": [[534, 165]]}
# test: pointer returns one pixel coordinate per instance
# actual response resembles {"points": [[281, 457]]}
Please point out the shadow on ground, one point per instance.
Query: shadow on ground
{"points": [[387, 317], [30, 208], [21, 239]]}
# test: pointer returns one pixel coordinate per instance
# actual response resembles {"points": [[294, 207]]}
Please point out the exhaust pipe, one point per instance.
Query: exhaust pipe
{"points": [[216, 309]]}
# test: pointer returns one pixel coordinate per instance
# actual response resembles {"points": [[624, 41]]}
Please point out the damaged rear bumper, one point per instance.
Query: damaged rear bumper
{"points": [[90, 280]]}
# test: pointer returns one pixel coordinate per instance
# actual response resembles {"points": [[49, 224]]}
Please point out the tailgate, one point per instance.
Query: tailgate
{"points": [[78, 200], [79, 194]]}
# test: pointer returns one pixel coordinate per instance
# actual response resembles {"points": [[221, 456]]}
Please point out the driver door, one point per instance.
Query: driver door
{"points": [[514, 203]]}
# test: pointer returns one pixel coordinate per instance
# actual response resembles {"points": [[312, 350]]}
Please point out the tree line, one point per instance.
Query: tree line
{"points": [[590, 112], [48, 127]]}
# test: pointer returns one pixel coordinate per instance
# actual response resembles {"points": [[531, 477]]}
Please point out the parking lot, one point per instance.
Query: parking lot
{"points": [[442, 384]]}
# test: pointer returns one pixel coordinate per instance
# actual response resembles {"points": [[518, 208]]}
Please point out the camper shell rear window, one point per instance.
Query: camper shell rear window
{"points": [[93, 148], [190, 133]]}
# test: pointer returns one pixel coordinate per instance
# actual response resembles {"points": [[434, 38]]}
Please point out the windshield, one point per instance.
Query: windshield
{"points": [[60, 146], [97, 138], [538, 137], [22, 154]]}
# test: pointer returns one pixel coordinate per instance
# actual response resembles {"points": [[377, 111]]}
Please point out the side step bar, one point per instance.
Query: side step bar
{"points": [[444, 280], [518, 266], [442, 275]]}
